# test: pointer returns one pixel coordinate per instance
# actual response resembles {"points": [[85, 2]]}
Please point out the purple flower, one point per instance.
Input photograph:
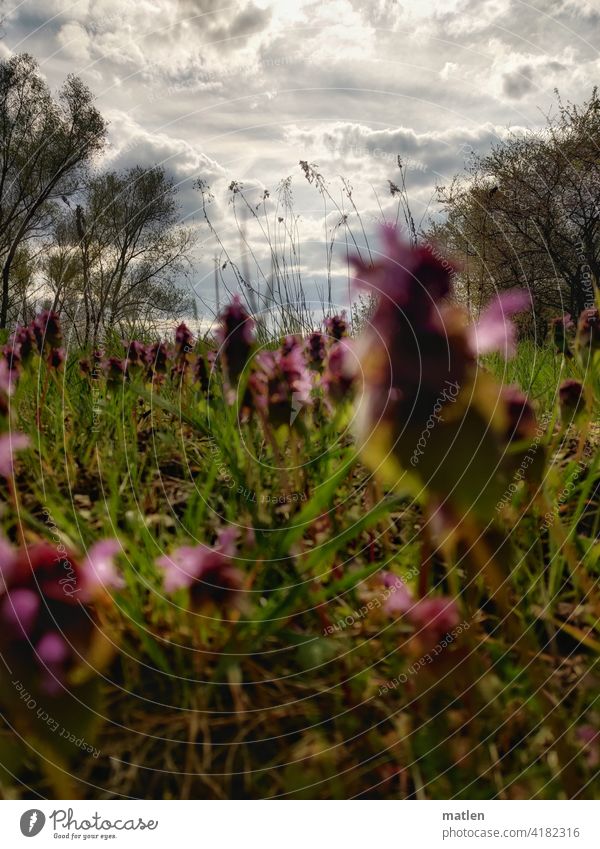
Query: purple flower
{"points": [[8, 378], [236, 338], [336, 327], [572, 402], [136, 353], [184, 341], [9, 444], [290, 342], [520, 418], [46, 330], [315, 347], [494, 331], [99, 569], [52, 649], [157, 357], [209, 573], [339, 376], [414, 279], [412, 348], [434, 618], [422, 388], [280, 385], [115, 369], [22, 341], [56, 358], [589, 737], [12, 355], [18, 611], [43, 624], [399, 600]]}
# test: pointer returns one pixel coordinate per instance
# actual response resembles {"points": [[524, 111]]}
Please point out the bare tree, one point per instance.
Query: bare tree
{"points": [[45, 146], [118, 258], [528, 213]]}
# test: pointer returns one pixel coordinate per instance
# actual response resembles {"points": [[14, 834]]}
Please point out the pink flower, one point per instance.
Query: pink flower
{"points": [[315, 347], [399, 600], [8, 559], [9, 444], [290, 342], [340, 372], [494, 331], [415, 341], [56, 358], [46, 330], [520, 418], [207, 572], [184, 341], [99, 570], [434, 618], [589, 738], [411, 278], [183, 566], [281, 385], [54, 654], [572, 400], [21, 343], [236, 337], [44, 628], [19, 611], [157, 357], [8, 377], [115, 369], [336, 327]]}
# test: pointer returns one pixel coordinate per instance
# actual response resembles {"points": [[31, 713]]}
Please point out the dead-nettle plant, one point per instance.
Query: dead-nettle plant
{"points": [[448, 396], [68, 582], [50, 722], [525, 463], [399, 583], [425, 659], [566, 492]]}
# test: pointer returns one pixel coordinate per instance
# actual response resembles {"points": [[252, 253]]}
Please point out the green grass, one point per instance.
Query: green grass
{"points": [[270, 701]]}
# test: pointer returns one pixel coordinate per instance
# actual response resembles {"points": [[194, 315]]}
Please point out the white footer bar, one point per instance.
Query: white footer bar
{"points": [[301, 824]]}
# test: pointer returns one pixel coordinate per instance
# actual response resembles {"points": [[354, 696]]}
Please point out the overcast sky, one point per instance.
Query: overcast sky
{"points": [[244, 90]]}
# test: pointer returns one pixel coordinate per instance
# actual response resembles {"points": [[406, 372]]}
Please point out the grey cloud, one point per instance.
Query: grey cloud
{"points": [[518, 83], [219, 23], [280, 85], [249, 20]]}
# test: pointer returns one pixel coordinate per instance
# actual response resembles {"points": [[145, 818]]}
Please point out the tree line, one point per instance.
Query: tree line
{"points": [[528, 214], [104, 248]]}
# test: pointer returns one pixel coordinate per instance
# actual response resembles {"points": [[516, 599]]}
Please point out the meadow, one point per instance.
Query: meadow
{"points": [[333, 566]]}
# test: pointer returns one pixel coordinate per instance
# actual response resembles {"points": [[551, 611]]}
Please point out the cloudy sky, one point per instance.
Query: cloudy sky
{"points": [[242, 91]]}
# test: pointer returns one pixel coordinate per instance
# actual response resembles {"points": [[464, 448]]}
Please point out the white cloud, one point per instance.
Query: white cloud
{"points": [[244, 89], [74, 42]]}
